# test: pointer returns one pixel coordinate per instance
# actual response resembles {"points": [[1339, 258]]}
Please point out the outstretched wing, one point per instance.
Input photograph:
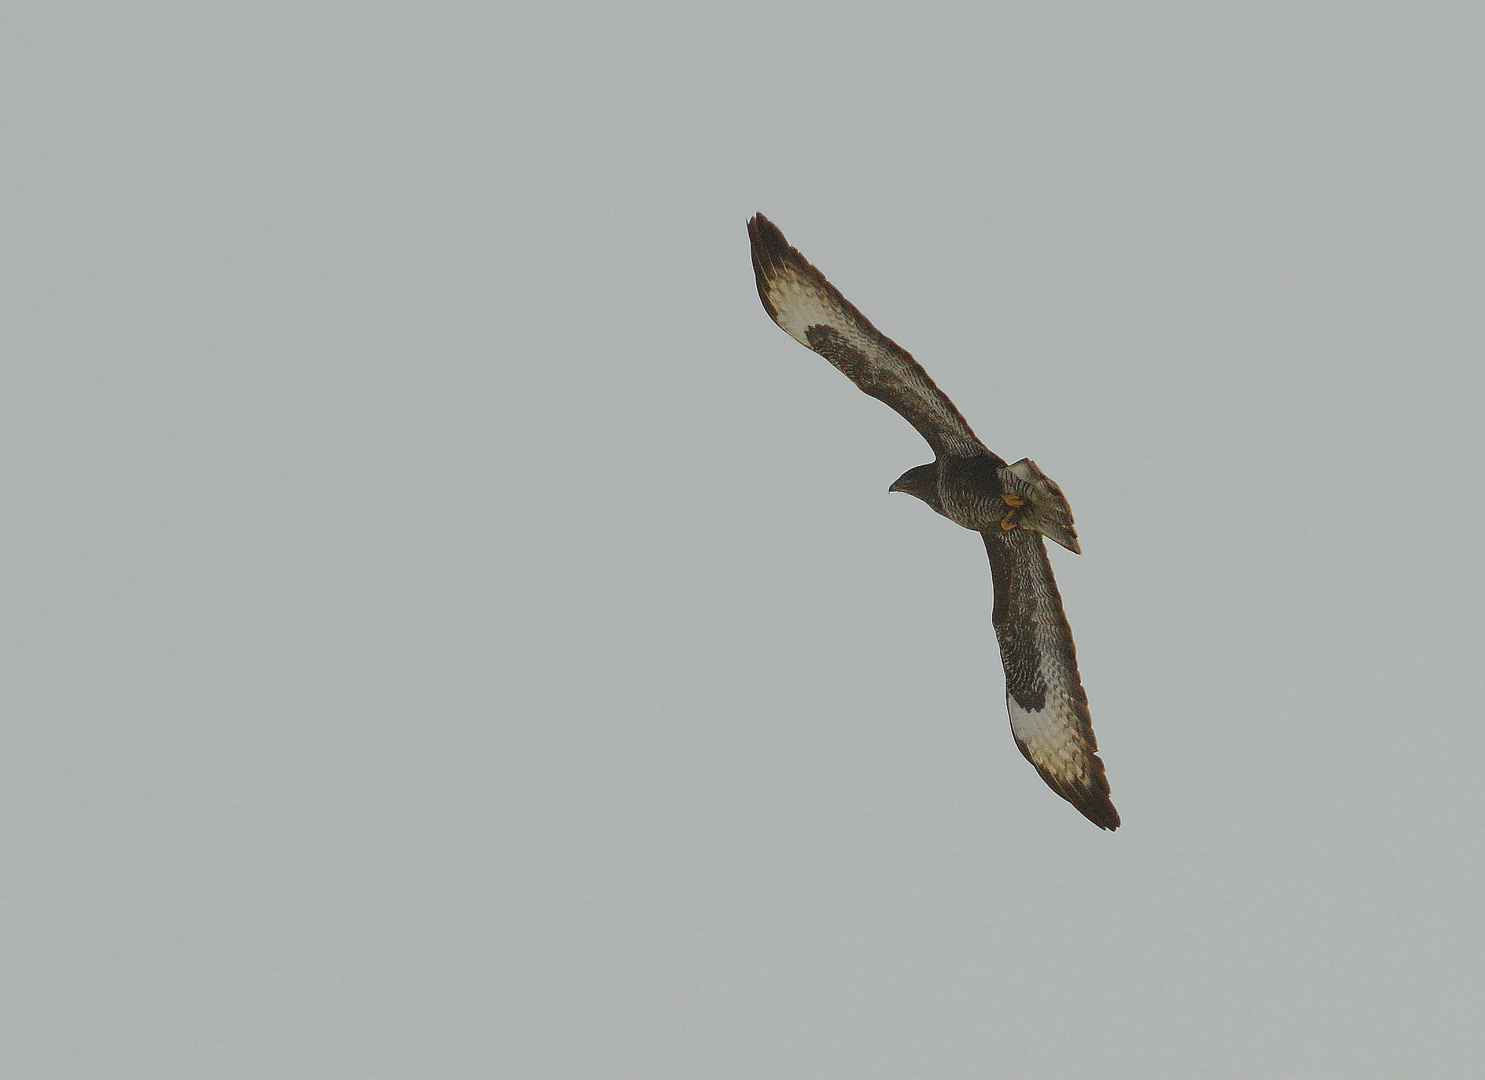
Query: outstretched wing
{"points": [[813, 312], [1049, 711]]}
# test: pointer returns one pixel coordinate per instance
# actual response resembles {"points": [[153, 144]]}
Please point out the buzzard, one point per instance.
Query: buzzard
{"points": [[1011, 506]]}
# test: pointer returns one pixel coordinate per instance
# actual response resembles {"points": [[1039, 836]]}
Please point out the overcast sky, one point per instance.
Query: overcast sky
{"points": [[449, 631]]}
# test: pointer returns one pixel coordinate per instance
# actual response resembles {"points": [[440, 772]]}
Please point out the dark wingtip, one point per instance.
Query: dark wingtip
{"points": [[770, 250], [1100, 812], [1092, 802], [767, 238]]}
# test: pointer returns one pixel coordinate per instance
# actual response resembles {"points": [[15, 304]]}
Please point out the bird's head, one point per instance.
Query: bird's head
{"points": [[921, 482]]}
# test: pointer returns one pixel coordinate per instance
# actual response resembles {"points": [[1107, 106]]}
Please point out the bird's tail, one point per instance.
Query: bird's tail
{"points": [[1044, 508]]}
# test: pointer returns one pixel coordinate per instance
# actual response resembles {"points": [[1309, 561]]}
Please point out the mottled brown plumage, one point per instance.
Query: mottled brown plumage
{"points": [[1011, 506]]}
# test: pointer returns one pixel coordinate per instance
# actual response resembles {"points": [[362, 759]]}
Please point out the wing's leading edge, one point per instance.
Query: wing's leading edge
{"points": [[814, 313]]}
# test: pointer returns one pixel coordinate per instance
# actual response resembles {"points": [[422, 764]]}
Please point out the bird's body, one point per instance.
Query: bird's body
{"points": [[1011, 506]]}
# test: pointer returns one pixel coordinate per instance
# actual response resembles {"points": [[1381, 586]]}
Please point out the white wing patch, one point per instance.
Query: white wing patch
{"points": [[1050, 740], [800, 307]]}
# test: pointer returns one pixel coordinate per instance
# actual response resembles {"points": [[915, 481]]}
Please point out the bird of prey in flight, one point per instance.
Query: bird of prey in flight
{"points": [[1011, 506]]}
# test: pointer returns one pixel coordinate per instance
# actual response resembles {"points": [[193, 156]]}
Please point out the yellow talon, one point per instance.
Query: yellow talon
{"points": [[1008, 522], [1012, 499]]}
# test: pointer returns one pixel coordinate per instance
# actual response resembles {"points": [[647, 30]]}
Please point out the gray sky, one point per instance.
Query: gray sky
{"points": [[449, 631]]}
